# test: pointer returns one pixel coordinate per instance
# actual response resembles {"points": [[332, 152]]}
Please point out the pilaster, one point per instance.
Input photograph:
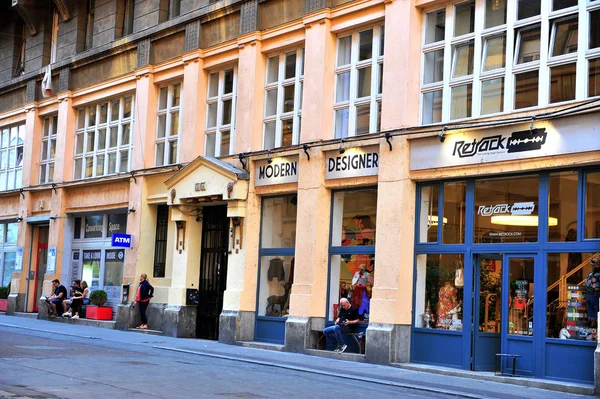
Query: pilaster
{"points": [[193, 108], [144, 128]]}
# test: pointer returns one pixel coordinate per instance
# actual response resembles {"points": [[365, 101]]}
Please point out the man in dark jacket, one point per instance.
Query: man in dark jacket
{"points": [[54, 302], [145, 291], [347, 317]]}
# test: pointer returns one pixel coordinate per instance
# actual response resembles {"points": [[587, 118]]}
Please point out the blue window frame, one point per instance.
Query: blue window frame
{"points": [[557, 240]]}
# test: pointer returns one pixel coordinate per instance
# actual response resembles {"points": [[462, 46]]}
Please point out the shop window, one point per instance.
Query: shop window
{"points": [[94, 226], [506, 210], [439, 291], [220, 113], [160, 242], [520, 306], [283, 99], [12, 140], [359, 73], [352, 261], [8, 241], [276, 280], [562, 206], [103, 138], [352, 277], [117, 224], [113, 268], [569, 314], [428, 218], [278, 238], [354, 218], [453, 228], [592, 205], [48, 150], [168, 125], [279, 222], [91, 268]]}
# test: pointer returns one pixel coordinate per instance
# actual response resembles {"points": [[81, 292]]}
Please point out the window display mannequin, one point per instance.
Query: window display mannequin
{"points": [[359, 284], [592, 284], [446, 303]]}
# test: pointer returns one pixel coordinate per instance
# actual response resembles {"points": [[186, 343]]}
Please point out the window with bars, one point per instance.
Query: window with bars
{"points": [[358, 82], [220, 113], [48, 150], [12, 139], [103, 138], [160, 243], [283, 99], [168, 125], [508, 56]]}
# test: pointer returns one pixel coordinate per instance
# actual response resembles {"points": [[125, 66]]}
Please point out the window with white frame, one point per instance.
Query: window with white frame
{"points": [[220, 113], [103, 138], [48, 149], [508, 56], [12, 139], [8, 251], [358, 82], [283, 99], [168, 124]]}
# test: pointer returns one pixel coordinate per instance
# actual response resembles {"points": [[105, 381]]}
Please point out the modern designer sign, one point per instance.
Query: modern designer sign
{"points": [[354, 162], [564, 136], [280, 170]]}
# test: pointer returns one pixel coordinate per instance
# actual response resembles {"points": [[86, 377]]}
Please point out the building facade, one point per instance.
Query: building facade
{"points": [[267, 158]]}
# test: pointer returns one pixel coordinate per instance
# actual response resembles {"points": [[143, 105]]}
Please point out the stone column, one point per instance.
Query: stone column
{"points": [[144, 128], [388, 334], [193, 110]]}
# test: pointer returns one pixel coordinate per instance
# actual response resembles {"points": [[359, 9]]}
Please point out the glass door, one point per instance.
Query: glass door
{"points": [[486, 311]]}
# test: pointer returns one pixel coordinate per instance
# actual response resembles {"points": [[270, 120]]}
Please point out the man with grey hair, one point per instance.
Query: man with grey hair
{"points": [[347, 317]]}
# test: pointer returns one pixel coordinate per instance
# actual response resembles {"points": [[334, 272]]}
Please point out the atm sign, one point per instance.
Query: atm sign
{"points": [[122, 240]]}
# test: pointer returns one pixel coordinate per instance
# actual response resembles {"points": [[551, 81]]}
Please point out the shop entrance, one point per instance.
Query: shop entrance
{"points": [[40, 267], [502, 312], [487, 311], [213, 271]]}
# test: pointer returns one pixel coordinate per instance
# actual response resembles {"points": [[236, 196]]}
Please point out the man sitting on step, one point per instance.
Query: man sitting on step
{"points": [[348, 317]]}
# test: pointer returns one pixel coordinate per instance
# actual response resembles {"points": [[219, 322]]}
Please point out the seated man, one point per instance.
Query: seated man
{"points": [[348, 317], [54, 301]]}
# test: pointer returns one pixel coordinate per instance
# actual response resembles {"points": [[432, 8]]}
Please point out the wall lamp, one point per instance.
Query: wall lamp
{"points": [[342, 150], [443, 134], [532, 131], [19, 219], [130, 210], [269, 159], [242, 160], [305, 148], [388, 138]]}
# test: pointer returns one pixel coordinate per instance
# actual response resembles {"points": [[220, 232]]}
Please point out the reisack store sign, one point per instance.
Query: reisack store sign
{"points": [[280, 170], [354, 162], [558, 137]]}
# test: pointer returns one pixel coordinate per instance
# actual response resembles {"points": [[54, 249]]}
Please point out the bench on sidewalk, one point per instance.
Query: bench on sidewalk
{"points": [[357, 337]]}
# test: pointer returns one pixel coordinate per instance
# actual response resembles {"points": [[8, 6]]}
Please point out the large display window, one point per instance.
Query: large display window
{"points": [[93, 258], [352, 251], [439, 291], [8, 255], [278, 239]]}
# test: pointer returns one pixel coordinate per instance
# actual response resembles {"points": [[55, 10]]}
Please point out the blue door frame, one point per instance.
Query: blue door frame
{"points": [[541, 356]]}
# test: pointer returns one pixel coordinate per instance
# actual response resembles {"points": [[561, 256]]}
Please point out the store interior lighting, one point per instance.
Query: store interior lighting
{"points": [[521, 220], [433, 220]]}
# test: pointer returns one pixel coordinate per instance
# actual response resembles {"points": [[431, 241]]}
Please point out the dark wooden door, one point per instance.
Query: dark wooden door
{"points": [[213, 271]]}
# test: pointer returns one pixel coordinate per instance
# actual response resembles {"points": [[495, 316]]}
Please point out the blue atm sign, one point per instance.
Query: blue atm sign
{"points": [[122, 240]]}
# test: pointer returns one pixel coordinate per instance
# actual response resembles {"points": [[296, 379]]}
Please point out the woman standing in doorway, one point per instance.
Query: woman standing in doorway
{"points": [[145, 291]]}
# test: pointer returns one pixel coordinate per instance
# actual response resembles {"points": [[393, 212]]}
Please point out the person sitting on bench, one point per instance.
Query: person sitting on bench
{"points": [[348, 317], [54, 301]]}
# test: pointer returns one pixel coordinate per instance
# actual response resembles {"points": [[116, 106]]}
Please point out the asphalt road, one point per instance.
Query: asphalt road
{"points": [[40, 365]]}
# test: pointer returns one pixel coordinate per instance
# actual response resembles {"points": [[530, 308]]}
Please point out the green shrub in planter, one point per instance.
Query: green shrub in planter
{"points": [[4, 291], [98, 297]]}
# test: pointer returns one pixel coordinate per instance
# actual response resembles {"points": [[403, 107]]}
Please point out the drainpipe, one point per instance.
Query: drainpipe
{"points": [[28, 272]]}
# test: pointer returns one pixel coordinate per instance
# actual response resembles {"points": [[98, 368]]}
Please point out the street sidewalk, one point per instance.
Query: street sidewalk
{"points": [[361, 372]]}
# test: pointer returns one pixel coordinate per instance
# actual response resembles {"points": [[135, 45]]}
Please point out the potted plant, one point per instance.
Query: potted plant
{"points": [[4, 291], [97, 311]]}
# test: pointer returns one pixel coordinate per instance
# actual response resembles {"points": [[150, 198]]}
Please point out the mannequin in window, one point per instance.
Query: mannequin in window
{"points": [[359, 284], [446, 302]]}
